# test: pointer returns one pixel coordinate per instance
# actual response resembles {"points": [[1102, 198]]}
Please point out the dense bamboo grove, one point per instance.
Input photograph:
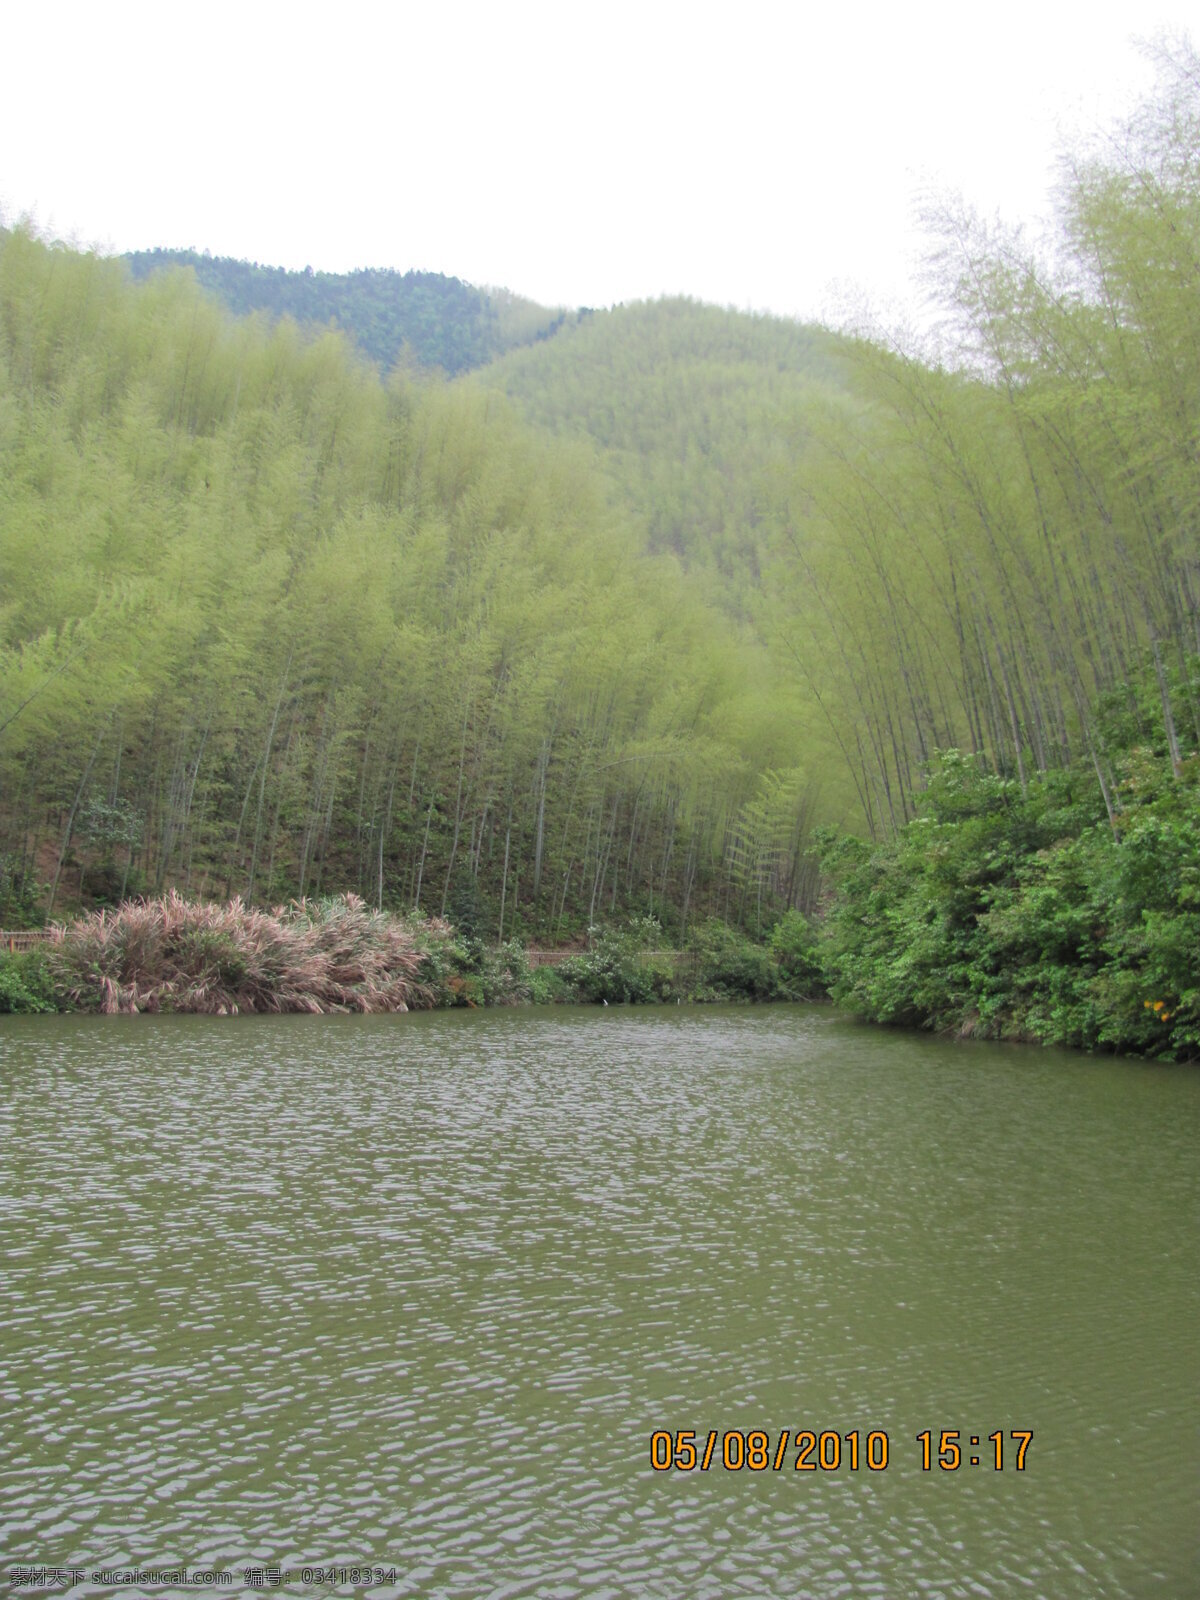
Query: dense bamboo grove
{"points": [[273, 627], [958, 541], [699, 416], [609, 629], [985, 545]]}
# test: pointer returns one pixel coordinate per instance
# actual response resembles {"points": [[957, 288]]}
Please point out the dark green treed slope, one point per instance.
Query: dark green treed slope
{"points": [[424, 317], [270, 626], [697, 414]]}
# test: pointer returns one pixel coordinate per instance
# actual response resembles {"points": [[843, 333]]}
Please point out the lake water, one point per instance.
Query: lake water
{"points": [[416, 1292]]}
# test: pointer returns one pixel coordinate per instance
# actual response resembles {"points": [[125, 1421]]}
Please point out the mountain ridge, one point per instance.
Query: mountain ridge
{"points": [[436, 320]]}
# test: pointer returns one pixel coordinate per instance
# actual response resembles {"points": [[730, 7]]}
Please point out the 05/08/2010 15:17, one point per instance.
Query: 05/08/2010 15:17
{"points": [[823, 1450]]}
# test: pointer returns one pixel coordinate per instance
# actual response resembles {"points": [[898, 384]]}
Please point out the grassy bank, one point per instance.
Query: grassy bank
{"points": [[1055, 910], [171, 954]]}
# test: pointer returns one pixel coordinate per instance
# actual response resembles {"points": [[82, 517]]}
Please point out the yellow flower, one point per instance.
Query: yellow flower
{"points": [[1158, 1005]]}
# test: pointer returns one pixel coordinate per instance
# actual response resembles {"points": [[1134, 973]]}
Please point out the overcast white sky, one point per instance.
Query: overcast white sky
{"points": [[752, 155]]}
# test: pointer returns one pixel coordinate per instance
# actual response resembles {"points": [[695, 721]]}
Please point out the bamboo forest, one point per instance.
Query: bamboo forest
{"points": [[873, 653]]}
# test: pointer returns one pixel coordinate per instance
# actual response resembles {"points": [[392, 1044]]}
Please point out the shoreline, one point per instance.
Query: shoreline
{"points": [[340, 957]]}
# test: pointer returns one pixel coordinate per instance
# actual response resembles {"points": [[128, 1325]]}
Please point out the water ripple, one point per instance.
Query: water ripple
{"points": [[415, 1291]]}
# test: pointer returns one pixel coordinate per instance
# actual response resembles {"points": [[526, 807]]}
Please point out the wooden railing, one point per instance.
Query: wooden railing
{"points": [[551, 958], [22, 938]]}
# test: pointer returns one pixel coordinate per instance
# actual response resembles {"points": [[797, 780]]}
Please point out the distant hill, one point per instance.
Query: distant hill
{"points": [[435, 320], [699, 415]]}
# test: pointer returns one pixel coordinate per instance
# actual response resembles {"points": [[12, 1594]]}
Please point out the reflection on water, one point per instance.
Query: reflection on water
{"points": [[416, 1291]]}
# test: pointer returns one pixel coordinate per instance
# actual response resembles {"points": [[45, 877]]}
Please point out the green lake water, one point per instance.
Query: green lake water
{"points": [[416, 1292]]}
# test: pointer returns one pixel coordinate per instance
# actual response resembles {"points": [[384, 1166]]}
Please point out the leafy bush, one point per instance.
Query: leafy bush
{"points": [[729, 966], [1028, 916], [475, 974], [547, 986], [605, 974], [615, 970], [26, 983], [795, 944], [621, 967]]}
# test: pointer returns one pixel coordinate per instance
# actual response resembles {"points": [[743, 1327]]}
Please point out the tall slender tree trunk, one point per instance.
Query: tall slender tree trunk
{"points": [[458, 812], [262, 788], [504, 876], [384, 830], [424, 850], [70, 827], [1165, 696], [540, 826]]}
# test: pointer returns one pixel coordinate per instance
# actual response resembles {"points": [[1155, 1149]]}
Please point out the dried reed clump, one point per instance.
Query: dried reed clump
{"points": [[172, 954]]}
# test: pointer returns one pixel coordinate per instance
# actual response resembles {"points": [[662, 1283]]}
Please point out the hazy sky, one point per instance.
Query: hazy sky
{"points": [[752, 155]]}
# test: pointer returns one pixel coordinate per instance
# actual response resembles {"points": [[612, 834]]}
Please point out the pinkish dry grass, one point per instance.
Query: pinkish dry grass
{"points": [[174, 954]]}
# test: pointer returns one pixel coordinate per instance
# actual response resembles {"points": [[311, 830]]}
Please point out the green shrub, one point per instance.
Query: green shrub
{"points": [[1028, 915], [26, 983], [213, 951], [463, 971], [605, 974], [615, 970], [547, 987], [729, 966], [796, 948]]}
